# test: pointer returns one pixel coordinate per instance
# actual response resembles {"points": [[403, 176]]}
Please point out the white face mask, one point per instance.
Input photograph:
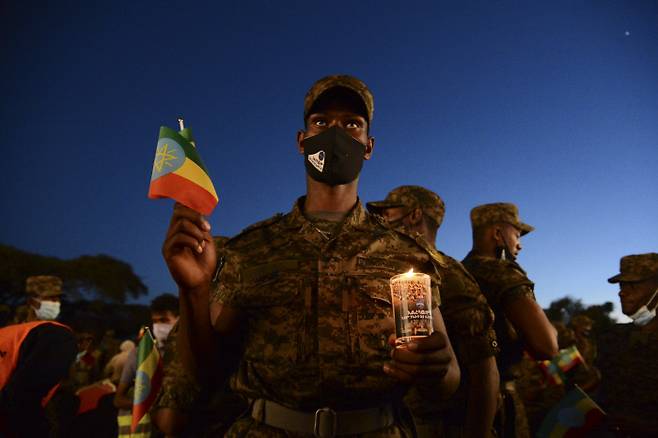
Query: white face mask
{"points": [[643, 315], [161, 331], [48, 310]]}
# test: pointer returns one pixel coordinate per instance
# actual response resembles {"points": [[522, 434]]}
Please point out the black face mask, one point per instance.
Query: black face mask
{"points": [[333, 157]]}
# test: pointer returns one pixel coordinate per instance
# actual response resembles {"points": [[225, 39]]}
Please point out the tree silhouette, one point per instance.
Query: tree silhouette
{"points": [[98, 276], [564, 309]]}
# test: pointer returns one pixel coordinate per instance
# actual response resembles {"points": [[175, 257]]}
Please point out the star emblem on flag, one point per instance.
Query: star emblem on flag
{"points": [[164, 155]]}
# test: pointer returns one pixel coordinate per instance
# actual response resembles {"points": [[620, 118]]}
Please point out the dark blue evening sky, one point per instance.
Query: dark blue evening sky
{"points": [[552, 106]]}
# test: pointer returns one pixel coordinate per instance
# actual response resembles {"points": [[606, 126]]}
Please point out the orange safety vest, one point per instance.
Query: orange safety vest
{"points": [[11, 339]]}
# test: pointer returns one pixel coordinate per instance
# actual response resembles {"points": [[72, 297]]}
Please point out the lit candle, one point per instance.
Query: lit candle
{"points": [[411, 295]]}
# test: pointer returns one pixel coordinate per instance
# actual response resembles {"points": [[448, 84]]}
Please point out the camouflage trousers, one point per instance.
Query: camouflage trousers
{"points": [[511, 420]]}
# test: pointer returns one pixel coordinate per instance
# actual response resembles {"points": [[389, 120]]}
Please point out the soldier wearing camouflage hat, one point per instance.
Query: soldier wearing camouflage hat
{"points": [[469, 319], [415, 207], [309, 290], [521, 324], [36, 355], [628, 353], [44, 295]]}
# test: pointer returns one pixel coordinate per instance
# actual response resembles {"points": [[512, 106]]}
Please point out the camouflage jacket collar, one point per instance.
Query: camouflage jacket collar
{"points": [[356, 217]]}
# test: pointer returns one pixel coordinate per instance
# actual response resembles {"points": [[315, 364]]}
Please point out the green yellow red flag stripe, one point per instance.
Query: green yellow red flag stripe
{"points": [[148, 378], [574, 416], [179, 173]]}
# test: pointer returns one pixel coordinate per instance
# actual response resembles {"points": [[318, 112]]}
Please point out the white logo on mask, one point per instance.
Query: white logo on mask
{"points": [[317, 160]]}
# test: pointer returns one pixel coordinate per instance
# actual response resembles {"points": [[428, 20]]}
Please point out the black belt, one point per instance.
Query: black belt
{"points": [[324, 422]]}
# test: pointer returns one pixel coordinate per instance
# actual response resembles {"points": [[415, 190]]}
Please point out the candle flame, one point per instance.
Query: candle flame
{"points": [[410, 272]]}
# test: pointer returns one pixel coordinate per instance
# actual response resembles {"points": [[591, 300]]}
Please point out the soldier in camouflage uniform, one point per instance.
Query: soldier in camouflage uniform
{"points": [[469, 320], [628, 353], [310, 292], [44, 296], [520, 322]]}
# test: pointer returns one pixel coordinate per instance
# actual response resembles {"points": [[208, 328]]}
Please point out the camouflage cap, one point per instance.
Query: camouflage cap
{"points": [[636, 267], [497, 212], [346, 81], [412, 197], [43, 286]]}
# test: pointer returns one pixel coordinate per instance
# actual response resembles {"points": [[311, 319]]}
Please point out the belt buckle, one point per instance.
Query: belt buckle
{"points": [[316, 422]]}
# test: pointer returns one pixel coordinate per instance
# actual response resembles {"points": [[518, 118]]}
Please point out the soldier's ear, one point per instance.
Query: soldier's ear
{"points": [[301, 134], [370, 145], [416, 216], [497, 234]]}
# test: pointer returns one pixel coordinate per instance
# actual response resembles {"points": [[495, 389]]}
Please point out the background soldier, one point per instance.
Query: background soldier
{"points": [[628, 353], [520, 322], [310, 289], [44, 297], [34, 358], [469, 321]]}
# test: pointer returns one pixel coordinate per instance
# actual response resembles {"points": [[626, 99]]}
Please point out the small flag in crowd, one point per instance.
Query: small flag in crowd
{"points": [[179, 174], [572, 417], [556, 368], [148, 378]]}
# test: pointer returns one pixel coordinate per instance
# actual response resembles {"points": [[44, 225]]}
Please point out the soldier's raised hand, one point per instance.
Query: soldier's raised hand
{"points": [[189, 249]]}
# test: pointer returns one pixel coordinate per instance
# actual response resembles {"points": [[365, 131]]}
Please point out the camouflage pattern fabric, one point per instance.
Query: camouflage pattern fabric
{"points": [[469, 321], [179, 391], [636, 267], [318, 311], [346, 81], [629, 385], [502, 281], [489, 214], [43, 286], [412, 197]]}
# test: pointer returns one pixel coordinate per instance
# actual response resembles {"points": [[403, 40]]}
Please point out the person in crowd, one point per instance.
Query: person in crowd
{"points": [[628, 353], [309, 290], [35, 357], [115, 365], [164, 314], [521, 324], [419, 212]]}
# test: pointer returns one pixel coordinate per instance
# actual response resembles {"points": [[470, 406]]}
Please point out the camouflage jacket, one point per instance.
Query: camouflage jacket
{"points": [[502, 281], [469, 321], [317, 308], [628, 360]]}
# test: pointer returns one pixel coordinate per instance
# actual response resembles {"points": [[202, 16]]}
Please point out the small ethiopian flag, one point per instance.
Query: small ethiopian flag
{"points": [[148, 378], [574, 416], [563, 362], [179, 174]]}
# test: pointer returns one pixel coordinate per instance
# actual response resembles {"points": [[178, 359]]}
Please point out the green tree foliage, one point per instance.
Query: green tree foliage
{"points": [[98, 276]]}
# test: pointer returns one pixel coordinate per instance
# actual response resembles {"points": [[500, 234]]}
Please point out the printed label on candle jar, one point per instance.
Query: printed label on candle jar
{"points": [[412, 306]]}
